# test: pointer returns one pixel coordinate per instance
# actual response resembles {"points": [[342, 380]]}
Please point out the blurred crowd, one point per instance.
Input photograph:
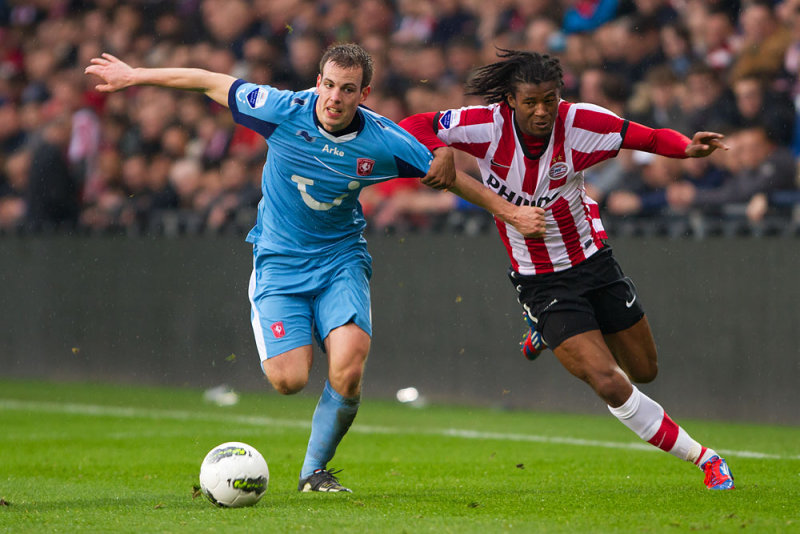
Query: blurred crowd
{"points": [[150, 160]]}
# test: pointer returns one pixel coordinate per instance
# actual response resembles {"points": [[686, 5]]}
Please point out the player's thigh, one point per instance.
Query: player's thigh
{"points": [[635, 350], [345, 300], [616, 302], [280, 323], [621, 317]]}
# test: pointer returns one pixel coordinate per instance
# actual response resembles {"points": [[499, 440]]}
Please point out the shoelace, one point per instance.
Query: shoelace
{"points": [[331, 473], [714, 476]]}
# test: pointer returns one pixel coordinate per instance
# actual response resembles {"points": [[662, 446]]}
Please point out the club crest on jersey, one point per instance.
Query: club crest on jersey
{"points": [[364, 166], [445, 119], [256, 98], [558, 171], [277, 329]]}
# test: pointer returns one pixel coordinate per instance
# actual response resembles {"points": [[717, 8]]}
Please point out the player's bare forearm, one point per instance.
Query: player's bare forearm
{"points": [[528, 220], [442, 172], [215, 85], [118, 75]]}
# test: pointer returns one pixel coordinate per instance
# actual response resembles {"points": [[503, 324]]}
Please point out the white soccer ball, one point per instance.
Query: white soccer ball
{"points": [[233, 475]]}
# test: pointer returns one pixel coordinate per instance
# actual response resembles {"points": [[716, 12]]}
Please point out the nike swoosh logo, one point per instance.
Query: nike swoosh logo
{"points": [[629, 304]]}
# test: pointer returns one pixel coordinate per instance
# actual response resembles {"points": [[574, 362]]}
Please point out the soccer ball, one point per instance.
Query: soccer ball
{"points": [[233, 475]]}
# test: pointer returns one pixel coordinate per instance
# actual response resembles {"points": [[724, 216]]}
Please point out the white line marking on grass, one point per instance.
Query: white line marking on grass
{"points": [[95, 410]]}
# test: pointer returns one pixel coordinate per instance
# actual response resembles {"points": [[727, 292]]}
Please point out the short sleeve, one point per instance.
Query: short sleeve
{"points": [[262, 107]]}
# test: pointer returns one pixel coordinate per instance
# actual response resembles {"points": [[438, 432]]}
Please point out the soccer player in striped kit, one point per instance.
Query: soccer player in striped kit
{"points": [[531, 147], [311, 268]]}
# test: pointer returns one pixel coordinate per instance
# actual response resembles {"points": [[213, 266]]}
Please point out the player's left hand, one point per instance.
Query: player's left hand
{"points": [[442, 173], [528, 220], [704, 143]]}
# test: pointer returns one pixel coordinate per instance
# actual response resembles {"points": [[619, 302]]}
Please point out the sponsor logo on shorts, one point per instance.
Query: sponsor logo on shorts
{"points": [[277, 329]]}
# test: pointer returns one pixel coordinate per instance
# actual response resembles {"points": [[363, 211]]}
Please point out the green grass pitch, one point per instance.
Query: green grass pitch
{"points": [[102, 458]]}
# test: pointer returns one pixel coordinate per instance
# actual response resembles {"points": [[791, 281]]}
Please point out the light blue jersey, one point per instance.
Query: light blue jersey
{"points": [[311, 268], [312, 179]]}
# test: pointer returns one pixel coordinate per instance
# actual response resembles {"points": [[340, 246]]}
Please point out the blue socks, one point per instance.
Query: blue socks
{"points": [[332, 419]]}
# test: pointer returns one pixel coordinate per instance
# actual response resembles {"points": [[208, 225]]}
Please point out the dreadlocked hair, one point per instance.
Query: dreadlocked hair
{"points": [[493, 82]]}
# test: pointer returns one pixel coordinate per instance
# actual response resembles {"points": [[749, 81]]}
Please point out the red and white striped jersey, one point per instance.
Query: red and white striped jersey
{"points": [[583, 135]]}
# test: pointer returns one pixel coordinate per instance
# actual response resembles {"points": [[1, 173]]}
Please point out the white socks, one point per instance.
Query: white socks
{"points": [[648, 420]]}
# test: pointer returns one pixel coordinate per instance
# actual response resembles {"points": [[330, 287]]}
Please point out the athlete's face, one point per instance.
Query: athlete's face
{"points": [[535, 106], [340, 93]]}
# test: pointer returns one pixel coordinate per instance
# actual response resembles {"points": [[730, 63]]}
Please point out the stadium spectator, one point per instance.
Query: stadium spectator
{"points": [[662, 11], [453, 21], [646, 193], [760, 167], [13, 188], [677, 46], [543, 35], [763, 41], [186, 179], [755, 102], [719, 40], [305, 49], [52, 192], [416, 22], [237, 193], [462, 55], [587, 15], [609, 91], [12, 136], [641, 47], [41, 46], [103, 196], [659, 100], [576, 298], [708, 101]]}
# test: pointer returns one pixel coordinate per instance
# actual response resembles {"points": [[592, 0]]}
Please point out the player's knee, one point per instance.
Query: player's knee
{"points": [[287, 383], [287, 386], [347, 381], [610, 385], [646, 373]]}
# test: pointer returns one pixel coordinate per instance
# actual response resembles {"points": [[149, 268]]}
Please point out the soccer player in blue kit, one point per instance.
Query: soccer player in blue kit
{"points": [[311, 268]]}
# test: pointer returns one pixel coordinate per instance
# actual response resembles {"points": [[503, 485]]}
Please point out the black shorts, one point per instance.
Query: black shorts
{"points": [[593, 295]]}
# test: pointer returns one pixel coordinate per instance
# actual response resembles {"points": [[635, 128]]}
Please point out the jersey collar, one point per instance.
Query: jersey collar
{"points": [[521, 137], [347, 134]]}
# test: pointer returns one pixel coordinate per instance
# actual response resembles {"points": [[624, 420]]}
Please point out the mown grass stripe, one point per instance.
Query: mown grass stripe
{"points": [[95, 410]]}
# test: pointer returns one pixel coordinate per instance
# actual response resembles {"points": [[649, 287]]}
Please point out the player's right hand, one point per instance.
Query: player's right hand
{"points": [[115, 73], [529, 221], [442, 173]]}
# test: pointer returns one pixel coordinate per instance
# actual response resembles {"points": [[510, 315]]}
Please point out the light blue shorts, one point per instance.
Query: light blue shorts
{"points": [[295, 300]]}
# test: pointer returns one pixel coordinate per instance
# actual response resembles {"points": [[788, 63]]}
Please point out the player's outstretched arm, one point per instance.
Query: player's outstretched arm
{"points": [[118, 75], [528, 220]]}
